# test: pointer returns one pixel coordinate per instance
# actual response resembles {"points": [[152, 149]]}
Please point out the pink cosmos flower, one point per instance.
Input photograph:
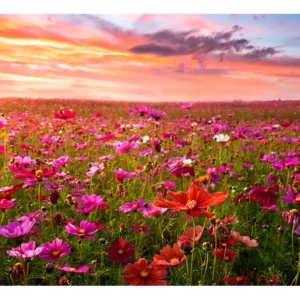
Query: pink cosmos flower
{"points": [[122, 175], [89, 203], [26, 250], [244, 240], [125, 147], [68, 268], [85, 229], [95, 168], [61, 161], [55, 251], [15, 229], [3, 122]]}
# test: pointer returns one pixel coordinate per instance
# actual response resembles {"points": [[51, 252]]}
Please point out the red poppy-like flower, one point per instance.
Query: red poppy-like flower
{"points": [[140, 273], [65, 114], [244, 240], [240, 280], [225, 255], [169, 257], [194, 202], [120, 251]]}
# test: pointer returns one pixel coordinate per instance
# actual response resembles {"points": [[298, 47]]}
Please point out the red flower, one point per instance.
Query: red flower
{"points": [[225, 255], [267, 195], [188, 235], [65, 114], [169, 257], [9, 191], [120, 251], [140, 273], [240, 280], [194, 202]]}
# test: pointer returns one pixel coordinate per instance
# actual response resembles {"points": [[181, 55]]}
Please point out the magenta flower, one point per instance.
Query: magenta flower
{"points": [[15, 229], [85, 229], [140, 228], [125, 147], [291, 217], [269, 208], [7, 204], [88, 203], [139, 205], [32, 216], [151, 211], [291, 197], [122, 175], [65, 114], [140, 111], [61, 161], [55, 251], [26, 250], [156, 114], [68, 268], [186, 106]]}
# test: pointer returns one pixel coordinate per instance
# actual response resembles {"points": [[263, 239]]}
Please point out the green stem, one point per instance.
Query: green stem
{"points": [[193, 251]]}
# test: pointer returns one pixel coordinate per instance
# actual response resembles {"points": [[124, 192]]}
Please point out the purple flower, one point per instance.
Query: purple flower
{"points": [[214, 174], [55, 251], [85, 229], [61, 161], [269, 208], [297, 231], [15, 229], [140, 111], [89, 203], [68, 268], [146, 152], [125, 147], [26, 250], [271, 178], [122, 175], [138, 205], [248, 166], [291, 197], [140, 228], [156, 114], [291, 217]]}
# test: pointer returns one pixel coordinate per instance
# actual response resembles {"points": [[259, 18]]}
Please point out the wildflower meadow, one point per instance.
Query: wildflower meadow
{"points": [[178, 194]]}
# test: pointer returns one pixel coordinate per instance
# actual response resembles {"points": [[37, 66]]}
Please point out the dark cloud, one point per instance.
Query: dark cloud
{"points": [[171, 43], [258, 54], [154, 49]]}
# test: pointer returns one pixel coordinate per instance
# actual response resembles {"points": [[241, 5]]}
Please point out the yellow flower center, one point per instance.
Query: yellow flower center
{"points": [[120, 251], [144, 274], [297, 199], [134, 206], [31, 217], [38, 173], [239, 279], [294, 211], [55, 253], [81, 231], [191, 204], [174, 260], [226, 258], [73, 269]]}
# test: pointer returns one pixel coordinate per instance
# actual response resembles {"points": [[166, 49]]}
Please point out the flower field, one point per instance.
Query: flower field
{"points": [[107, 193]]}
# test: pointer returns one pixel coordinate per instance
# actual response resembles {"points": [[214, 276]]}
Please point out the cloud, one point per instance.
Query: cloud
{"points": [[170, 43], [258, 54], [258, 17], [180, 68]]}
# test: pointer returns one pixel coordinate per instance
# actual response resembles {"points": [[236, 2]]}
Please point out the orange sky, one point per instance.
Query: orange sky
{"points": [[148, 57]]}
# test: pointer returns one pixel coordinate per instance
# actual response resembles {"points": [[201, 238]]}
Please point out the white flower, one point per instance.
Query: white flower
{"points": [[187, 162], [276, 126], [143, 140], [221, 138]]}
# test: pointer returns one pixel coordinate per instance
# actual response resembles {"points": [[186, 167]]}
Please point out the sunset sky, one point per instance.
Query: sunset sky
{"points": [[150, 57]]}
